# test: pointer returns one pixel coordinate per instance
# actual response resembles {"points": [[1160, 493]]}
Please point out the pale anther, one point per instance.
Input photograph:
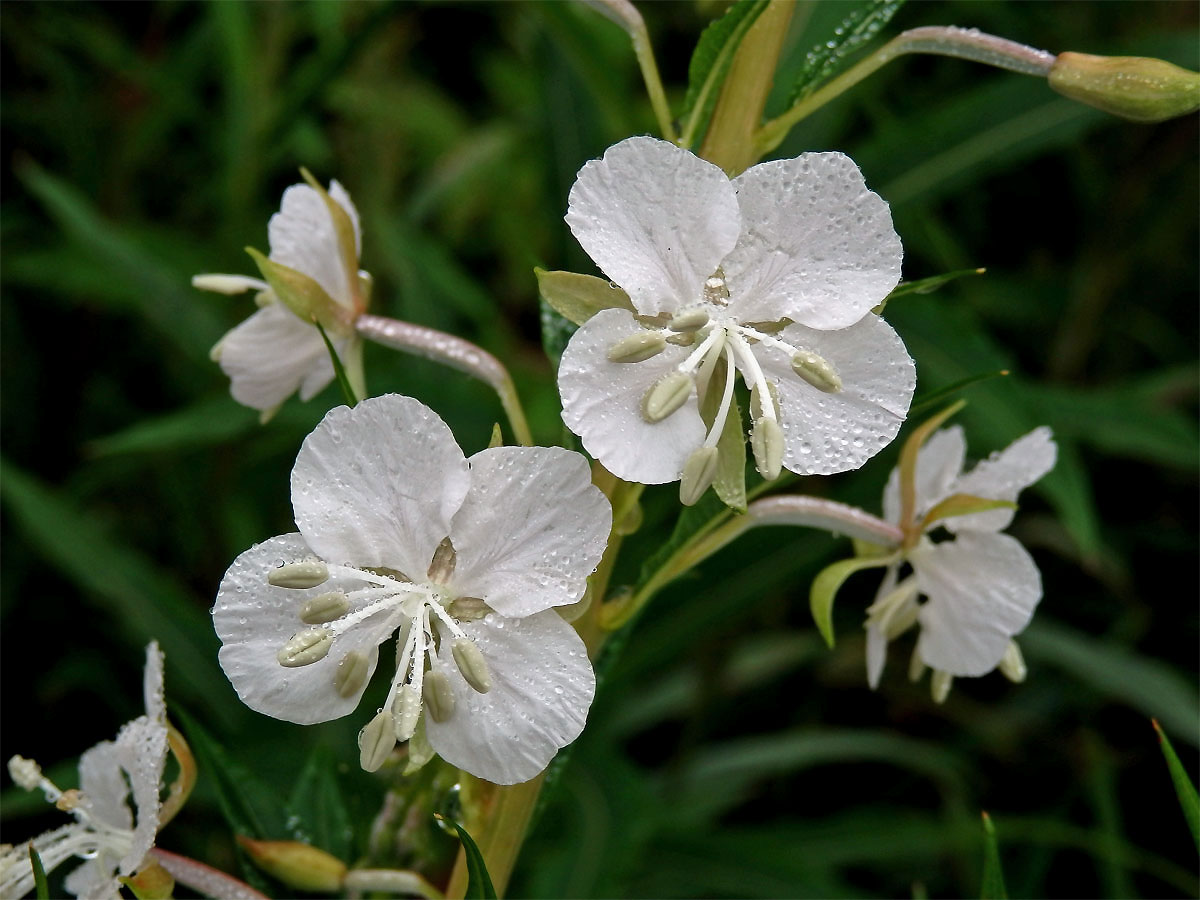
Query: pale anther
{"points": [[939, 685], [375, 742], [70, 799], [471, 663], [916, 666], [756, 406], [306, 574], [351, 673], [405, 710], [468, 609], [902, 621], [1012, 664], [666, 396], [689, 320], [324, 608], [766, 440], [699, 472], [817, 371], [25, 772], [305, 647], [684, 339], [438, 695], [444, 559], [637, 347]]}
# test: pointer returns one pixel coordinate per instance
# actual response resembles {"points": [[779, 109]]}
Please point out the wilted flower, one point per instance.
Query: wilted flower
{"points": [[311, 274], [463, 558], [774, 275], [111, 838]]}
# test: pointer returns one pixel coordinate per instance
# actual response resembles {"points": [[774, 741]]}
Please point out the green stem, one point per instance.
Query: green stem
{"points": [[964, 43], [626, 15]]}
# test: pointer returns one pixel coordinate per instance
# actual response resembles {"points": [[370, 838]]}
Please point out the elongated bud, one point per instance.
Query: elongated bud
{"points": [[444, 560], [939, 685], [817, 371], [376, 741], [637, 347], [438, 695], [1132, 87], [766, 440], [470, 661], [351, 673], [699, 472], [299, 866], [308, 574], [1012, 664], [666, 396], [305, 647], [406, 709], [324, 608], [689, 320]]}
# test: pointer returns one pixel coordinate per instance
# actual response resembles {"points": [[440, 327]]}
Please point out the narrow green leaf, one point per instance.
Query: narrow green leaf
{"points": [[710, 64], [39, 874], [993, 876], [825, 58], [479, 883], [1184, 789], [924, 285], [937, 398], [827, 583], [205, 422], [578, 297], [339, 370], [317, 813]]}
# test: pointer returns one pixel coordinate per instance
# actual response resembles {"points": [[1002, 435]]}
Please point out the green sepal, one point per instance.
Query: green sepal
{"points": [[578, 297], [343, 227], [827, 583], [497, 439], [298, 292], [339, 370], [908, 459], [1189, 802], [730, 483], [151, 883], [993, 876], [962, 505], [924, 285], [39, 874]]}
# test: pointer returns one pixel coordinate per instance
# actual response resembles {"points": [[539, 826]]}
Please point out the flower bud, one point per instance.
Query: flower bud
{"points": [[1132, 87], [297, 865]]}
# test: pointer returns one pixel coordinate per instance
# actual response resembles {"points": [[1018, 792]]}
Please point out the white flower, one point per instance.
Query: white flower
{"points": [[981, 587], [275, 352], [112, 839], [775, 272], [464, 557]]}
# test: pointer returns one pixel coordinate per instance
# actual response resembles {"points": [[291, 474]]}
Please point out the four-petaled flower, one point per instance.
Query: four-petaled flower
{"points": [[276, 352], [773, 274], [112, 839], [981, 587], [464, 558]]}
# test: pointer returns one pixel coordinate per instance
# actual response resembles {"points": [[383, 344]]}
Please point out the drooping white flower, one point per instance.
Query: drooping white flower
{"points": [[981, 587], [463, 559], [111, 838], [774, 272], [275, 352]]}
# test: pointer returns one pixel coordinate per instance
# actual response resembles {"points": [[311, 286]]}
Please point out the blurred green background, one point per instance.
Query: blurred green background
{"points": [[730, 754]]}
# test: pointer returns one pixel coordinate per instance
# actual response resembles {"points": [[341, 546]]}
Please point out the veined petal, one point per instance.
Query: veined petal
{"points": [[656, 218], [939, 463], [270, 355], [542, 687], [104, 785], [1002, 476], [255, 619], [602, 403], [377, 485], [142, 749], [530, 531], [302, 237], [982, 590], [816, 245], [835, 432]]}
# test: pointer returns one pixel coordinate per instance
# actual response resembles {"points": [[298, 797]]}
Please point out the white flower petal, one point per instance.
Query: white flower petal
{"points": [[303, 238], [142, 749], [657, 219], [1003, 476], [876, 654], [816, 246], [827, 433], [602, 403], [270, 355], [104, 785], [377, 485], [254, 619], [542, 687], [94, 880], [982, 590], [152, 684], [939, 462], [530, 531]]}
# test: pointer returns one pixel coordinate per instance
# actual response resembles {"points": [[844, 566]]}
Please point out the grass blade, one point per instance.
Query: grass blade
{"points": [[39, 874], [1184, 789], [993, 875]]}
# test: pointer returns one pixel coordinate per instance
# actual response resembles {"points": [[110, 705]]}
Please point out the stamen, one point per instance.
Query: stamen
{"points": [[753, 371], [28, 774], [444, 559], [305, 647], [666, 396], [699, 472], [689, 320], [324, 608], [709, 363], [438, 695], [447, 619], [405, 711], [817, 371], [766, 440], [1012, 664], [939, 685], [471, 663], [307, 574], [637, 347], [351, 673], [916, 666], [375, 741]]}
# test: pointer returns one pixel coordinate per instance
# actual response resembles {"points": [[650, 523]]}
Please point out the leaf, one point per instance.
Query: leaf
{"points": [[825, 58], [317, 813], [339, 370], [1184, 789], [209, 421], [993, 877], [556, 331], [825, 587], [937, 398], [924, 286], [579, 297], [710, 64], [479, 883], [39, 874]]}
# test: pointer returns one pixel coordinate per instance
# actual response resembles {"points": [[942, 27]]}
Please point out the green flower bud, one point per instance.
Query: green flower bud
{"points": [[297, 865], [1132, 87]]}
